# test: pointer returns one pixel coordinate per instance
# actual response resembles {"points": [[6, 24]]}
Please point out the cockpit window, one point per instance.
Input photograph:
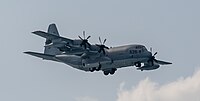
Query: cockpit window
{"points": [[133, 51], [139, 47], [144, 48]]}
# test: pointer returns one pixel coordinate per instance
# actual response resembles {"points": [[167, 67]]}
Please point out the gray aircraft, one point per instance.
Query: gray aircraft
{"points": [[80, 54]]}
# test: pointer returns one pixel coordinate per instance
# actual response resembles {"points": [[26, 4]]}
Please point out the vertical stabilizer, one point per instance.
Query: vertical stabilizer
{"points": [[52, 29]]}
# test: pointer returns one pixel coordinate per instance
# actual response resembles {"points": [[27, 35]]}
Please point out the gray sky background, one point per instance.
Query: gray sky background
{"points": [[171, 27]]}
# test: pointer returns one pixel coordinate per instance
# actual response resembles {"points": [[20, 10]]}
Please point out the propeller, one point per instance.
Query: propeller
{"points": [[84, 41], [152, 58], [101, 46]]}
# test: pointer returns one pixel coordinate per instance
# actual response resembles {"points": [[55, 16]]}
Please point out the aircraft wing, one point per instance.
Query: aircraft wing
{"points": [[163, 62], [51, 36], [41, 55]]}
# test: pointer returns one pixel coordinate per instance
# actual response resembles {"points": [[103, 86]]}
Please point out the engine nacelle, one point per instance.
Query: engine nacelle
{"points": [[149, 67]]}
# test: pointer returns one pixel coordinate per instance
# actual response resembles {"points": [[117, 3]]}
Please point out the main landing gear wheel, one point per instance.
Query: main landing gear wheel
{"points": [[99, 67], [92, 69], [105, 72], [112, 71]]}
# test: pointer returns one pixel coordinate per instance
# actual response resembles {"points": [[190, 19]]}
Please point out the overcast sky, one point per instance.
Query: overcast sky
{"points": [[171, 27]]}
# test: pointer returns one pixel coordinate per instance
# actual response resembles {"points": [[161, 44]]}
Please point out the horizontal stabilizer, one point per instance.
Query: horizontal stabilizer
{"points": [[41, 55], [45, 35], [163, 62], [50, 36]]}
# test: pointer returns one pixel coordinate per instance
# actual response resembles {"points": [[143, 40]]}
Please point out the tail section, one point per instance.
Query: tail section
{"points": [[52, 29]]}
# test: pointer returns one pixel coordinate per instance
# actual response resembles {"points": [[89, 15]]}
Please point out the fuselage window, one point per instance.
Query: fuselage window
{"points": [[133, 51]]}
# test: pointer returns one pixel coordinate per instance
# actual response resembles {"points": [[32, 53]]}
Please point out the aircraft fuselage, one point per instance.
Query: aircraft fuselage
{"points": [[115, 57]]}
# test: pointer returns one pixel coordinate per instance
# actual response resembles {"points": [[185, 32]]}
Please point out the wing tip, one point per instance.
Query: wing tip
{"points": [[37, 32], [27, 52]]}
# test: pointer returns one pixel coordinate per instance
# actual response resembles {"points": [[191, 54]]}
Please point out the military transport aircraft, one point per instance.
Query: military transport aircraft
{"points": [[80, 54]]}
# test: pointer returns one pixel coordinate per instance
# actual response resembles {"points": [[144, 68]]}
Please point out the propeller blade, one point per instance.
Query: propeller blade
{"points": [[100, 40], [104, 41], [155, 53], [84, 34], [88, 37], [106, 47], [88, 44], [80, 38]]}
